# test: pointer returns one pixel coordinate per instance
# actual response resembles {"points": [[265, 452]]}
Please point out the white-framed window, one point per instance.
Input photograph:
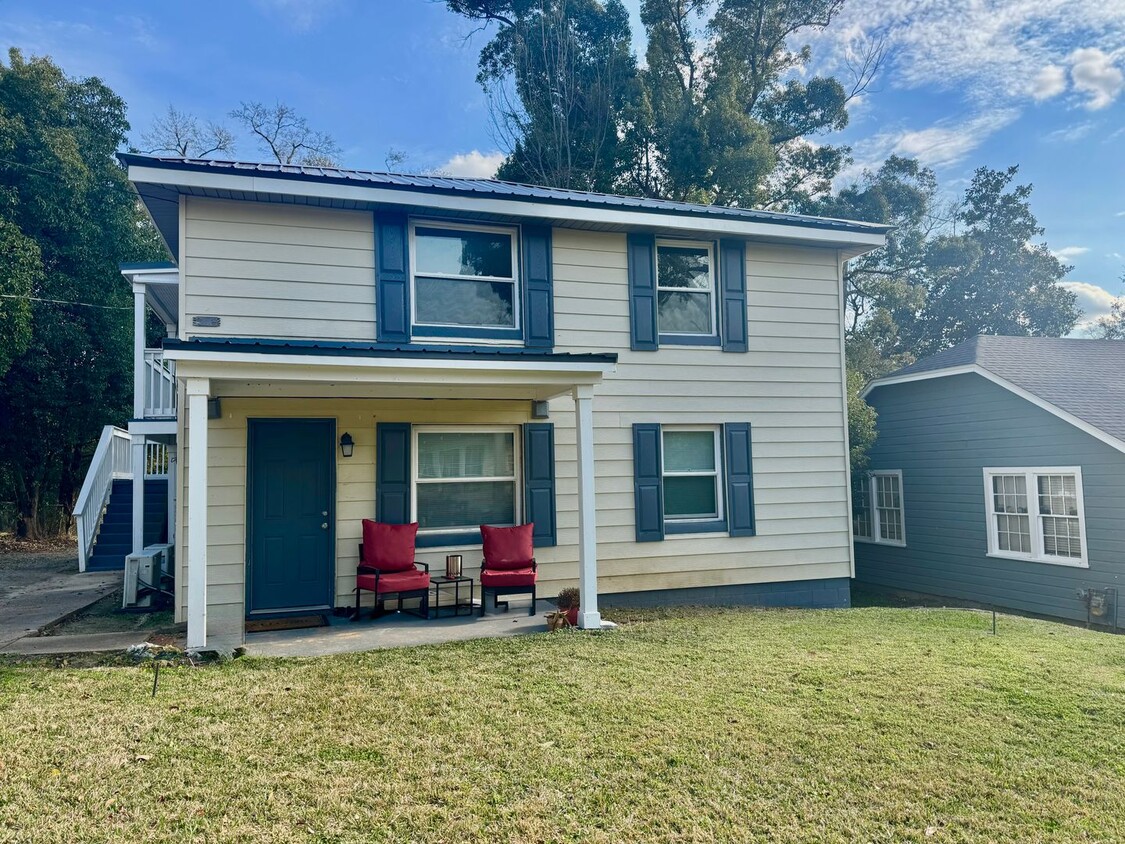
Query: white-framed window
{"points": [[1036, 514], [878, 514], [464, 477], [691, 474], [685, 289], [464, 277]]}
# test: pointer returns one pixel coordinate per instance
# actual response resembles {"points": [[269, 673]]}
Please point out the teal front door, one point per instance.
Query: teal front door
{"points": [[290, 506]]}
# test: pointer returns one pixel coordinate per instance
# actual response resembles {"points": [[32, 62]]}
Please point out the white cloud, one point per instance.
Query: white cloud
{"points": [[946, 142], [1049, 82], [299, 15], [1094, 73], [473, 165], [1093, 300], [1068, 253], [995, 53], [1070, 134]]}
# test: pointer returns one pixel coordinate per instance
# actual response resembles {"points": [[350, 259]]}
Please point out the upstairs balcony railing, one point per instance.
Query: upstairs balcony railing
{"points": [[158, 383]]}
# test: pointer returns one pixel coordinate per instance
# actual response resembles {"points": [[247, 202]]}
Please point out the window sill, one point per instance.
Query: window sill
{"points": [[681, 528], [444, 540], [869, 541], [689, 340], [1050, 561], [420, 333]]}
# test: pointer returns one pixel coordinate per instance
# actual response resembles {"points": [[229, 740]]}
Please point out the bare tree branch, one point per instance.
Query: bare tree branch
{"points": [[286, 135]]}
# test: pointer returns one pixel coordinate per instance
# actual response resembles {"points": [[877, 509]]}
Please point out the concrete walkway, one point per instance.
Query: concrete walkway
{"points": [[34, 595], [79, 643], [393, 631]]}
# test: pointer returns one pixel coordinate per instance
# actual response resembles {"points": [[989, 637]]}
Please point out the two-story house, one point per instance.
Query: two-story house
{"points": [[658, 386]]}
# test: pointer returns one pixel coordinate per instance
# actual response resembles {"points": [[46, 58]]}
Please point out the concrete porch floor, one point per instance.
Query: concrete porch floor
{"points": [[396, 630]]}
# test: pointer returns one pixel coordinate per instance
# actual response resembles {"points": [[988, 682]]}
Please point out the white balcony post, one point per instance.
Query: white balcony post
{"points": [[197, 393], [138, 493], [589, 618], [138, 351]]}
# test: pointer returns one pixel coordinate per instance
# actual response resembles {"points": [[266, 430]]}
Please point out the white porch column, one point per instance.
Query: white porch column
{"points": [[588, 618], [138, 351], [173, 449], [138, 493], [197, 393]]}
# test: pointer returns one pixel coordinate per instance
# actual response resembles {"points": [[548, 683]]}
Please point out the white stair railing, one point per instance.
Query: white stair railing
{"points": [[111, 461], [159, 379]]}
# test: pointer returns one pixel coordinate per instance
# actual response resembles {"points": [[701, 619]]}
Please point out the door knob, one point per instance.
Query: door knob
{"points": [[324, 525], [324, 512]]}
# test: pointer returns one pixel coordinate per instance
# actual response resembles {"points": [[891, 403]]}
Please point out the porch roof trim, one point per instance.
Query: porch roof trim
{"points": [[176, 349]]}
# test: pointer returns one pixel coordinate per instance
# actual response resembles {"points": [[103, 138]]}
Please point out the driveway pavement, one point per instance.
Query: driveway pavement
{"points": [[39, 589]]}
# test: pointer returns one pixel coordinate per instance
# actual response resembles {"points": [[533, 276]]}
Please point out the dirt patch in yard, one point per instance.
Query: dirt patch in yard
{"points": [[105, 616]]}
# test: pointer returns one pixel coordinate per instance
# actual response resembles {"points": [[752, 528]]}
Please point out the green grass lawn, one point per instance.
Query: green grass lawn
{"points": [[884, 725]]}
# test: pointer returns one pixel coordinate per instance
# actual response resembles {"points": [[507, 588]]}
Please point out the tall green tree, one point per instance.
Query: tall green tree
{"points": [[988, 276], [561, 78], [729, 121], [66, 204]]}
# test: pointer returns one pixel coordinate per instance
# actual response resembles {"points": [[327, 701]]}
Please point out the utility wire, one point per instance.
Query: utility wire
{"points": [[64, 302], [132, 194]]}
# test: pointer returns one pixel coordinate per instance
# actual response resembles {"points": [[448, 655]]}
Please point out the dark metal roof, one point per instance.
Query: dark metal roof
{"points": [[1086, 378], [382, 350], [496, 189]]}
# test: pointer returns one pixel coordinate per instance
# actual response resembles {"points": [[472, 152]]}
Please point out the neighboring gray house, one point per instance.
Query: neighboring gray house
{"points": [[999, 476]]}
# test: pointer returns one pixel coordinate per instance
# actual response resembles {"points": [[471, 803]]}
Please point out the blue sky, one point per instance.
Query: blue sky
{"points": [[1039, 83]]}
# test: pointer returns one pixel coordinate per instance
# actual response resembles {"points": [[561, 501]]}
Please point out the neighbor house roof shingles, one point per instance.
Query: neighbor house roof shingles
{"points": [[1085, 378]]}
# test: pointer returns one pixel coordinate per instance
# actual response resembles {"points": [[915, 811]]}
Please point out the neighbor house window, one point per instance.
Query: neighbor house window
{"points": [[877, 508], [464, 478], [691, 475], [465, 280], [685, 289], [1036, 514]]}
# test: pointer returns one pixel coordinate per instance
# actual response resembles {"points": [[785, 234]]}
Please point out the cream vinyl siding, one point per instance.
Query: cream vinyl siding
{"points": [[272, 270], [789, 386]]}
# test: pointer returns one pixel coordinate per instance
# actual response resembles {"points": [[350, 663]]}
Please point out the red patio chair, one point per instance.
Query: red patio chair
{"points": [[509, 566], [387, 567]]}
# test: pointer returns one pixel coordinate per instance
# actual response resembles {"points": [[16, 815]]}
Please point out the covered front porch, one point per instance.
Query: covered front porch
{"points": [[272, 416]]}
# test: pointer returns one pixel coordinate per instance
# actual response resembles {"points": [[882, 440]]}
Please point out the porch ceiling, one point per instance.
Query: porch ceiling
{"points": [[355, 371]]}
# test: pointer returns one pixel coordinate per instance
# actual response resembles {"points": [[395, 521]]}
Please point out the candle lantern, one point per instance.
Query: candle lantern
{"points": [[453, 565]]}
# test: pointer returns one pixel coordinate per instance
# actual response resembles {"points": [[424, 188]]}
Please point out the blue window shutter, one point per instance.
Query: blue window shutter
{"points": [[539, 481], [732, 266], [642, 292], [392, 472], [740, 478], [539, 306], [648, 488], [392, 279]]}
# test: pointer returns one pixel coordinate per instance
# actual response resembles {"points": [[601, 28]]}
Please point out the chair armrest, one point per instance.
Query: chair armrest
{"points": [[534, 565], [362, 569], [425, 566], [483, 565]]}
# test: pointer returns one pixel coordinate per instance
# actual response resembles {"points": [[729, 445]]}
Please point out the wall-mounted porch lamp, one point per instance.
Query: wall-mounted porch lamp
{"points": [[347, 444]]}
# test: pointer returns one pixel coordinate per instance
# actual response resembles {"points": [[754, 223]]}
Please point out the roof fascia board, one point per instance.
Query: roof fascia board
{"points": [[977, 369], [491, 205], [578, 369], [152, 276]]}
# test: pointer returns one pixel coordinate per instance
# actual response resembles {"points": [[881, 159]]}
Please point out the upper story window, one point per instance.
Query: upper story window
{"points": [[685, 289], [465, 281], [1036, 514]]}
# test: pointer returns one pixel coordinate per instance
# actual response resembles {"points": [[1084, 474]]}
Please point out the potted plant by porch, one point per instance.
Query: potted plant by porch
{"points": [[566, 613]]}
